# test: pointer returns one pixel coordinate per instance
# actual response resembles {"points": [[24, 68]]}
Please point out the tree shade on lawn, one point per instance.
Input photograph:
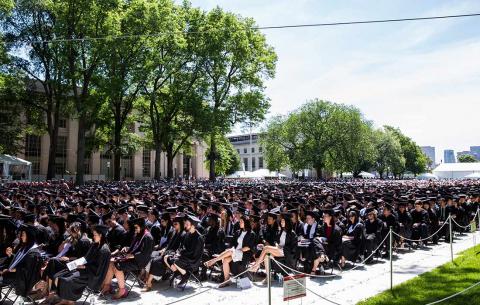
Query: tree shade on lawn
{"points": [[437, 284]]}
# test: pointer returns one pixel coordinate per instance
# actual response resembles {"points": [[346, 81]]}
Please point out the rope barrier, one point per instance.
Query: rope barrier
{"points": [[463, 227], [426, 238], [454, 295], [334, 275], [207, 289], [304, 286]]}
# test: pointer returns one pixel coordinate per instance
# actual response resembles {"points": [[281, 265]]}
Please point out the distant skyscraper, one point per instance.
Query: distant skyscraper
{"points": [[448, 156], [475, 150], [429, 151]]}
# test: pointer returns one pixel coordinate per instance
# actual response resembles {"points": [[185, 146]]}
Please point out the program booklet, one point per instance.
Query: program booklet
{"points": [[74, 264]]}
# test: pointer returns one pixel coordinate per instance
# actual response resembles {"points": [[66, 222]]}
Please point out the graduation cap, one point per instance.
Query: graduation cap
{"points": [[180, 217], [328, 211], [102, 229], [29, 218], [29, 229], [311, 214], [7, 222], [192, 219], [93, 217], [165, 216], [107, 216]]}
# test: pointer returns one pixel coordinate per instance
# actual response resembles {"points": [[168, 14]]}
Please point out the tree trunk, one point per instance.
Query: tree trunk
{"points": [[318, 169], [117, 152], [52, 153], [170, 158], [158, 153], [80, 151], [212, 156]]}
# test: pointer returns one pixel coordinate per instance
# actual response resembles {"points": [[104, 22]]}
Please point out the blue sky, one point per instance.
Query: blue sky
{"points": [[422, 76]]}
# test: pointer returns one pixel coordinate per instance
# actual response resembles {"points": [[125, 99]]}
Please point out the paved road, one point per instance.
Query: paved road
{"points": [[350, 288]]}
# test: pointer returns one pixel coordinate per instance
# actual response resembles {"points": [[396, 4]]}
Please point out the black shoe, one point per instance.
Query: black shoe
{"points": [[184, 279], [173, 277]]}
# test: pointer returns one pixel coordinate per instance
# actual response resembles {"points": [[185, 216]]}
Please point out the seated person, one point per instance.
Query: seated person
{"points": [[71, 284], [190, 253], [352, 240], [330, 237], [157, 265], [23, 271], [373, 232], [404, 222], [240, 253], [420, 222], [214, 236], [133, 258], [75, 246], [285, 245], [306, 240]]}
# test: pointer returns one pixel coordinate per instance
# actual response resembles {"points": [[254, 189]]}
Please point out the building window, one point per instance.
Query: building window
{"points": [[61, 147], [245, 163], [59, 167], [245, 150], [253, 164], [33, 146], [35, 167], [238, 151], [146, 161], [260, 162], [62, 123], [253, 150], [127, 166], [260, 149]]}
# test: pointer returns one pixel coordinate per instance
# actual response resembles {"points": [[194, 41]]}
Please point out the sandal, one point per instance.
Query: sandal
{"points": [[120, 295], [147, 288]]}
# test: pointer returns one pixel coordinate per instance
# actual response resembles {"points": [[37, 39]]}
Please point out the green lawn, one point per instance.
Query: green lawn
{"points": [[439, 283]]}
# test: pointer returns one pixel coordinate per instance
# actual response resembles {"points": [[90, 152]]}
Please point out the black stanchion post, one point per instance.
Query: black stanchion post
{"points": [[269, 279], [391, 260], [451, 236]]}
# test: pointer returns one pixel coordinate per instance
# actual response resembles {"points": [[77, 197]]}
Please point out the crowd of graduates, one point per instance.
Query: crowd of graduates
{"points": [[56, 240]]}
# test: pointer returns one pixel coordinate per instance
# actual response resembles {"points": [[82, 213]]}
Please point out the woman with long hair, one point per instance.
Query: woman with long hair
{"points": [[240, 252], [91, 274], [76, 245], [352, 240], [285, 244], [23, 270], [133, 258]]}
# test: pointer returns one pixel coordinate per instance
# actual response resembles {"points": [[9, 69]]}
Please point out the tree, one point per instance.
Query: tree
{"points": [[415, 159], [237, 61], [78, 21], [30, 24], [120, 78], [227, 158], [390, 158], [276, 147], [467, 159]]}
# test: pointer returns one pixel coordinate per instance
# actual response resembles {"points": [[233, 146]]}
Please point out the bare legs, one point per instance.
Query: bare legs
{"points": [[224, 254], [113, 271], [274, 251]]}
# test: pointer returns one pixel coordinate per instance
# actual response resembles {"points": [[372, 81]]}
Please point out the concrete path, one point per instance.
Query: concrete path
{"points": [[349, 288]]}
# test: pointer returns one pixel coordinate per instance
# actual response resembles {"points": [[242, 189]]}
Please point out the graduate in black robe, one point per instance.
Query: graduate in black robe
{"points": [[353, 240], [329, 241], [158, 266], [116, 234], [71, 284], [23, 272], [190, 254], [133, 258], [75, 246]]}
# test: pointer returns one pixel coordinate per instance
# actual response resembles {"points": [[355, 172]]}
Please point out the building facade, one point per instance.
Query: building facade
{"points": [[99, 164], [448, 156], [429, 151], [250, 151]]}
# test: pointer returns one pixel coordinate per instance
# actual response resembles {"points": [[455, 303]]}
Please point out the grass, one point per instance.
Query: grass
{"points": [[437, 284]]}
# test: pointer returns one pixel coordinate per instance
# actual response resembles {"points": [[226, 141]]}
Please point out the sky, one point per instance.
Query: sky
{"points": [[420, 76]]}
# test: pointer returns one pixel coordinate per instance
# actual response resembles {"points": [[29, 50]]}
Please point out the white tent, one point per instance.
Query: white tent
{"points": [[14, 168], [456, 170], [366, 175], [427, 176], [473, 176], [258, 174]]}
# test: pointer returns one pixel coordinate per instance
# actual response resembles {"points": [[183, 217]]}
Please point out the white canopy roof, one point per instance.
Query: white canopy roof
{"points": [[458, 167], [13, 160], [473, 176], [426, 176]]}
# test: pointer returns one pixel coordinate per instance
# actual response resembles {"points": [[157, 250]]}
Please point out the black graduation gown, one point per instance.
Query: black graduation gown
{"points": [[269, 234], [55, 265], [55, 241], [27, 273], [290, 247], [116, 237], [157, 266], [142, 255], [214, 240], [354, 247], [71, 285], [333, 247], [191, 251]]}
